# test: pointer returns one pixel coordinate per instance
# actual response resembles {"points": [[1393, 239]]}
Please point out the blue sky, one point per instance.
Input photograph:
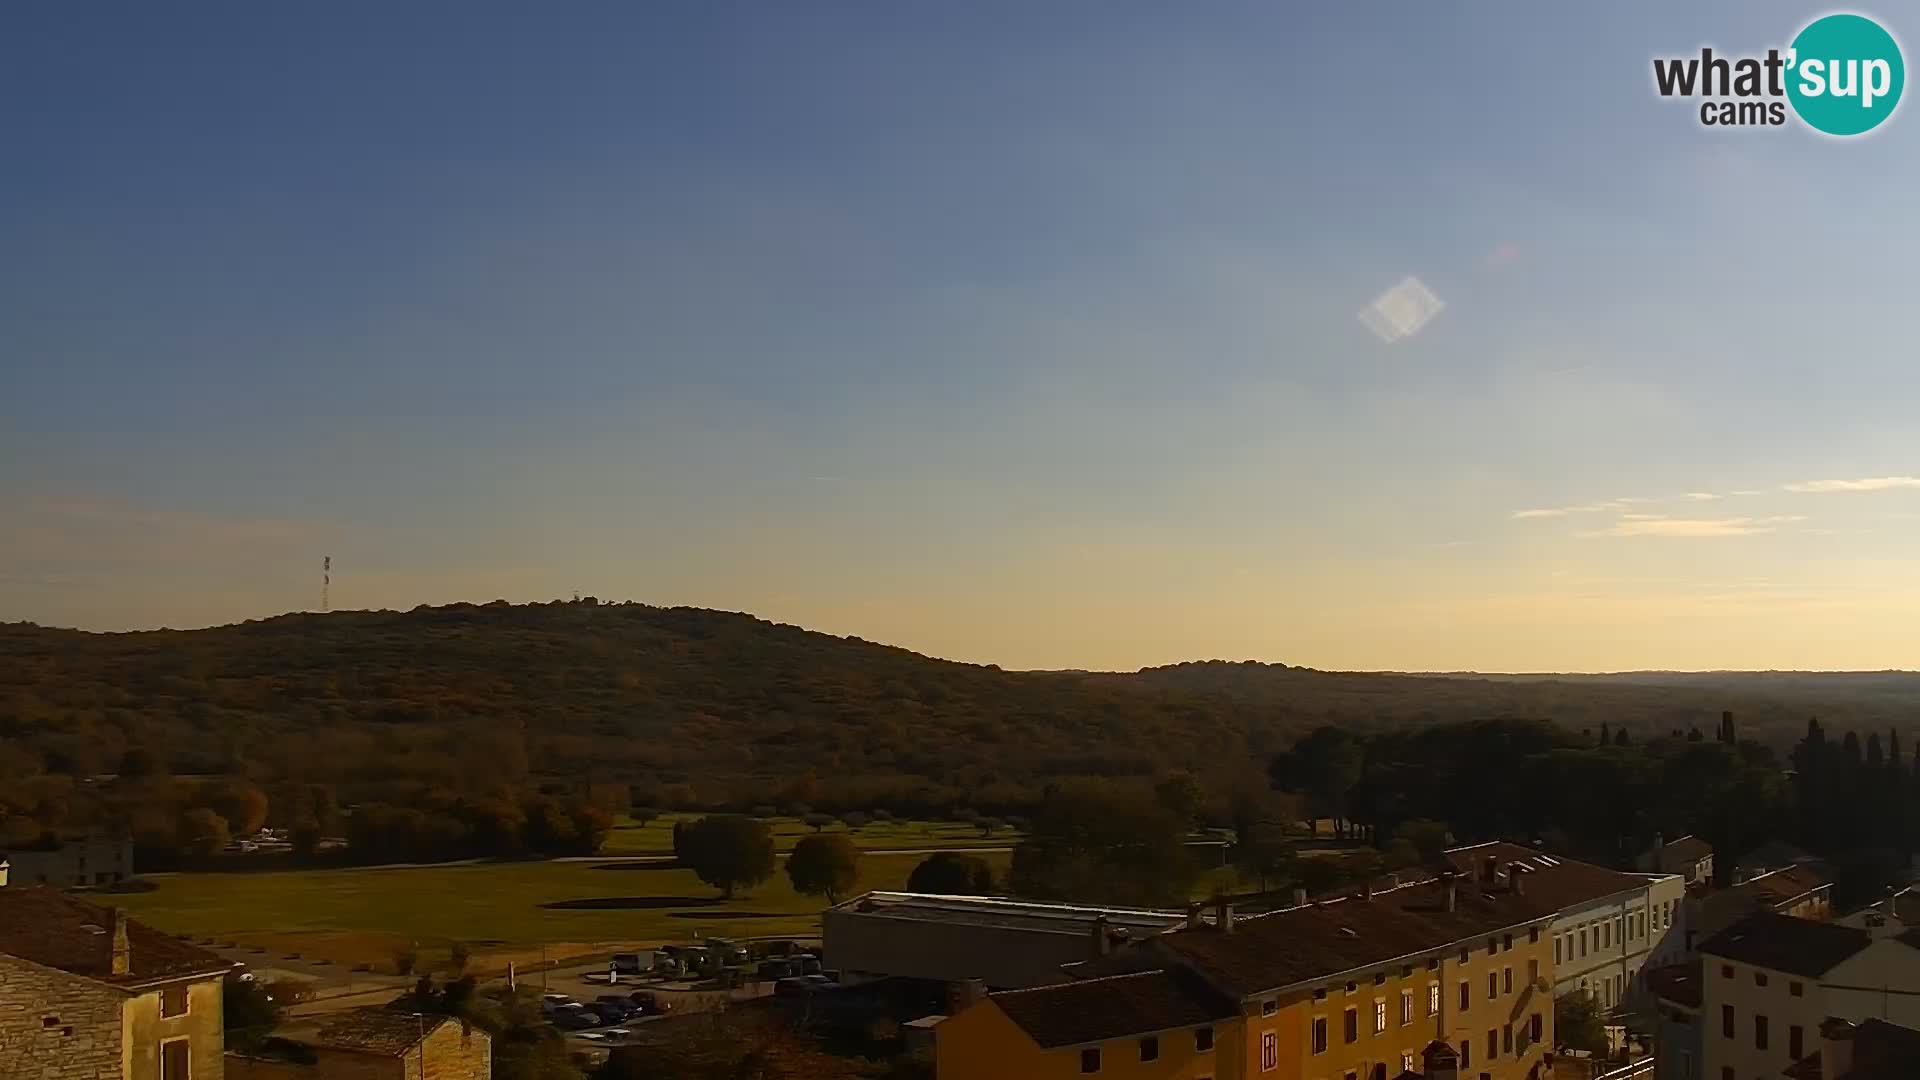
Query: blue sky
{"points": [[1007, 332]]}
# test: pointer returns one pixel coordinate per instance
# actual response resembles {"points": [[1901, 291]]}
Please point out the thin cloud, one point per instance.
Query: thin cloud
{"points": [[1582, 508], [1694, 528], [1701, 496], [1870, 483]]}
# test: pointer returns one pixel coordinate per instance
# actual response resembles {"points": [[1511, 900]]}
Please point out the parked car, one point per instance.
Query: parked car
{"points": [[550, 1003], [648, 1003], [791, 987], [574, 1018], [779, 948], [810, 964], [727, 951], [817, 982], [629, 963], [621, 1007], [594, 1036], [777, 969]]}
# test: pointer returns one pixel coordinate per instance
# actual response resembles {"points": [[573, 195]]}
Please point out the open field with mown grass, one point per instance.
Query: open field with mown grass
{"points": [[629, 837], [500, 910]]}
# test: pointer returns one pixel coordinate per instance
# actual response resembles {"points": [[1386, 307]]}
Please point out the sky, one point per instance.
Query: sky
{"points": [[1010, 333]]}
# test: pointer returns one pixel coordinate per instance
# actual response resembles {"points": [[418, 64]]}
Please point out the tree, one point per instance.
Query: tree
{"points": [[251, 1013], [1577, 1024], [952, 873], [1263, 854], [645, 815], [1620, 738], [728, 851], [1324, 765], [854, 820], [240, 801], [987, 825], [202, 832], [816, 821], [1181, 794], [304, 835], [141, 762], [1101, 842], [1428, 837], [824, 866]]}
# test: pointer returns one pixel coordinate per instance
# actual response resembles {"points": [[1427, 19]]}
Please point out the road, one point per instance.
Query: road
{"points": [[662, 860]]}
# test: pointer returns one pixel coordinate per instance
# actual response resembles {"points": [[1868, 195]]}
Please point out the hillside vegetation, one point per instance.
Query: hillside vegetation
{"points": [[706, 707]]}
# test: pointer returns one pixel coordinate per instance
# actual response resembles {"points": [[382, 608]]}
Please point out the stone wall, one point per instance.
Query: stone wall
{"points": [[450, 1053], [56, 1026]]}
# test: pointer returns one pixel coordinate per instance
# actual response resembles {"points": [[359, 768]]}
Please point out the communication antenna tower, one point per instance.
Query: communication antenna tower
{"points": [[326, 581]]}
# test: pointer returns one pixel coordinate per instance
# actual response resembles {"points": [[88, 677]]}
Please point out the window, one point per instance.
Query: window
{"points": [[1493, 1043], [1150, 1048], [1759, 978], [1795, 1042], [1557, 958], [1686, 1065], [1535, 1028], [1796, 988], [1269, 1051], [1506, 980], [1493, 985], [1320, 994], [1203, 1039], [1433, 999], [1533, 935], [1350, 1025], [1533, 972], [1759, 1032], [1726, 971], [1726, 1072], [1583, 941], [1379, 1016], [1380, 978], [1090, 1060], [1319, 1034], [1406, 1063], [1492, 946], [1506, 1039], [1406, 1006], [1466, 995], [1606, 935], [1726, 1021], [1506, 943], [1407, 972], [1466, 1053], [1463, 956], [173, 1001], [1352, 987], [1269, 1007]]}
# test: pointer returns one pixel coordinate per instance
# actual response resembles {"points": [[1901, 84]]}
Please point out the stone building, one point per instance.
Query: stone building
{"points": [[376, 1044], [78, 863], [89, 994]]}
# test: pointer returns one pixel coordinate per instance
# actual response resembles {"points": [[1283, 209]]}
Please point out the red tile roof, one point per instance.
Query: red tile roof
{"points": [[1676, 983], [1113, 1007], [1883, 1051], [377, 1030], [1720, 909], [1784, 943], [1688, 849], [1266, 952], [1563, 882], [57, 930]]}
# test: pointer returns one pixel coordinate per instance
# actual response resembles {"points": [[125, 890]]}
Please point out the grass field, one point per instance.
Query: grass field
{"points": [[629, 837], [360, 916]]}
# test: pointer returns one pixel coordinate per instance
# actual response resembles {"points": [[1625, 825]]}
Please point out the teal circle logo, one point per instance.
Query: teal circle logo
{"points": [[1845, 74]]}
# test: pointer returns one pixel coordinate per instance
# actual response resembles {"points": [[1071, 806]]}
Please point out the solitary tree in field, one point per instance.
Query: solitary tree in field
{"points": [[727, 851], [202, 832], [816, 822], [952, 873], [824, 866]]}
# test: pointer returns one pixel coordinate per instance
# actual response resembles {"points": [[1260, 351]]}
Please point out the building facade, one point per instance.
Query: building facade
{"points": [[1441, 972], [378, 1044], [88, 994], [75, 864]]}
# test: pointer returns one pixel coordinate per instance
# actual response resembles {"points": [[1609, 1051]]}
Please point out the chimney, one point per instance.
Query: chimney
{"points": [[1223, 915], [1102, 944], [1836, 1046], [122, 952], [1366, 893], [1452, 888], [1516, 879], [1194, 921], [1299, 897], [965, 994], [1490, 866]]}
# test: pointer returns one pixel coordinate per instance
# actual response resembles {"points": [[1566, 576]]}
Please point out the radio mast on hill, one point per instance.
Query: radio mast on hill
{"points": [[326, 581]]}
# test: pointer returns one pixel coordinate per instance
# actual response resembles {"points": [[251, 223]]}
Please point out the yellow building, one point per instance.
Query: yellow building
{"points": [[1357, 988], [88, 994]]}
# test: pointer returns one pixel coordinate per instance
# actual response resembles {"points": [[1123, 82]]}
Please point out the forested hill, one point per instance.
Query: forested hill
{"points": [[725, 702]]}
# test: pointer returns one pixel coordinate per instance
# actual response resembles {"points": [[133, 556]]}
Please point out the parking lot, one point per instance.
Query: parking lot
{"points": [[600, 1006]]}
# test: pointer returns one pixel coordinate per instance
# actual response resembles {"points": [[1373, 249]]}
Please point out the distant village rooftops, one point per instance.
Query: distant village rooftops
{"points": [[1093, 1010], [1784, 943], [53, 929], [1774, 890], [1008, 914], [1689, 848]]}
